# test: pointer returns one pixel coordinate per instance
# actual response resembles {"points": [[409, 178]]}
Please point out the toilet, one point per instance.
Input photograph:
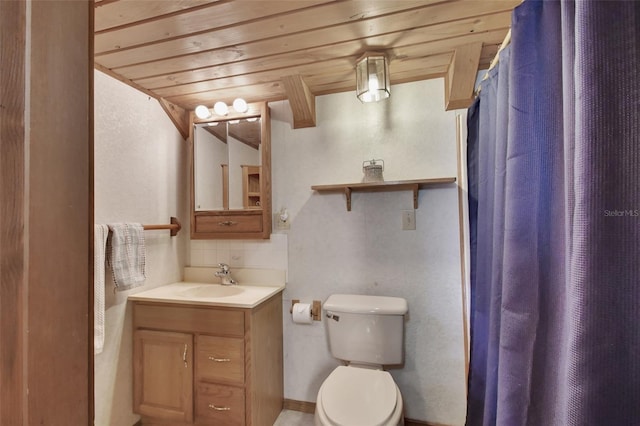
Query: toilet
{"points": [[367, 333]]}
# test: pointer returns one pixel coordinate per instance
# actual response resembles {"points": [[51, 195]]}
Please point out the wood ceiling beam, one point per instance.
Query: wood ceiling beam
{"points": [[179, 116], [460, 79], [301, 101]]}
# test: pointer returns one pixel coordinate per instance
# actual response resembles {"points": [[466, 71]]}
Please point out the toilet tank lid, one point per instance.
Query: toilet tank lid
{"points": [[364, 304]]}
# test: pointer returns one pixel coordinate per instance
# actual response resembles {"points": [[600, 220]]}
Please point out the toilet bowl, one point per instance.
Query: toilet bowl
{"points": [[356, 396]]}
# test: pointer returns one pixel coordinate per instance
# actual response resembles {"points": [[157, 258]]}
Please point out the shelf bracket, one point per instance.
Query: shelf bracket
{"points": [[415, 196], [347, 193]]}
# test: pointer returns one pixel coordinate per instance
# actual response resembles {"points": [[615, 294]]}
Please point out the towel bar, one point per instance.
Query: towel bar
{"points": [[175, 227]]}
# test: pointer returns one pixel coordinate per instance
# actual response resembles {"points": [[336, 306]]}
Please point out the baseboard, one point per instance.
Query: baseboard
{"points": [[310, 407], [302, 406], [409, 422]]}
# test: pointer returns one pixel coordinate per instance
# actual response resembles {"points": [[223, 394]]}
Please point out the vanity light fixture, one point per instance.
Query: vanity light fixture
{"points": [[203, 112], [372, 77], [221, 109]]}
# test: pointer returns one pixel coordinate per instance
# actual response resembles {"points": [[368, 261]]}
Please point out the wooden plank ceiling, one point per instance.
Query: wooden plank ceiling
{"points": [[191, 52]]}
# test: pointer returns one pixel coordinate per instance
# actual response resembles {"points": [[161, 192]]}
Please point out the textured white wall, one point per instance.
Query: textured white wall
{"points": [[365, 251], [140, 176]]}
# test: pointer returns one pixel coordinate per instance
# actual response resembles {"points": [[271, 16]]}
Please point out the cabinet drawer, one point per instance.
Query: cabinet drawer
{"points": [[177, 318], [229, 223], [220, 405], [220, 359]]}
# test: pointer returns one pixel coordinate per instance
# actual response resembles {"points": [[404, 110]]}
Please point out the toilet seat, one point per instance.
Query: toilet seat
{"points": [[353, 396]]}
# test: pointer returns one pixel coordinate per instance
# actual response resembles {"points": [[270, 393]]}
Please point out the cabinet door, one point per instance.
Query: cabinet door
{"points": [[163, 375]]}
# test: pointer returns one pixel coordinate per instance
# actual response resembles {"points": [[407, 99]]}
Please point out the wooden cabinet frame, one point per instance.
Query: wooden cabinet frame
{"points": [[249, 223]]}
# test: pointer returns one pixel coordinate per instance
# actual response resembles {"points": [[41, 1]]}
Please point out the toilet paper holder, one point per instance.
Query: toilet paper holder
{"points": [[316, 309]]}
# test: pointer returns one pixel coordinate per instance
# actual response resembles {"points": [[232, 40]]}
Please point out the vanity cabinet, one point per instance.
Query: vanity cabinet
{"points": [[201, 365]]}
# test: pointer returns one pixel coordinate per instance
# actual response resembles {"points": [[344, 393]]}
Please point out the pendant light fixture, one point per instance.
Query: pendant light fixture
{"points": [[372, 77]]}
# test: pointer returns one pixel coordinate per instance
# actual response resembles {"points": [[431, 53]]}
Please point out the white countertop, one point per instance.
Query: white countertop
{"points": [[197, 293]]}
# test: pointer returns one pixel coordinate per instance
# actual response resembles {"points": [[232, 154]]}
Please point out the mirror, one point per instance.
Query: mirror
{"points": [[231, 175], [227, 162]]}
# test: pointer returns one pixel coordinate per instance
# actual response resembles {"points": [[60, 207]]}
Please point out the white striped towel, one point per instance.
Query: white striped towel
{"points": [[100, 235], [126, 255]]}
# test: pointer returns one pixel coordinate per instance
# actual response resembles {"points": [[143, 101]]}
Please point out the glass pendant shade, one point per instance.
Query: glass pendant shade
{"points": [[372, 77]]}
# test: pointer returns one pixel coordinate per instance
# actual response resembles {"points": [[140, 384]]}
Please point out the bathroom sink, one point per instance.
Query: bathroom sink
{"points": [[197, 293], [211, 290]]}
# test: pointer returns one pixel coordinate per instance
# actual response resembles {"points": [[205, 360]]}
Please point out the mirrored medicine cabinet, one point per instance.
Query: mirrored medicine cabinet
{"points": [[231, 175]]}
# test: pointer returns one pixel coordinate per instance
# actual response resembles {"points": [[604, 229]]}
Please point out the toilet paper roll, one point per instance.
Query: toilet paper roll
{"points": [[302, 313]]}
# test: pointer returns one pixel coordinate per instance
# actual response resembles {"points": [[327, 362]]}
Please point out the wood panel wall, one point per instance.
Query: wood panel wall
{"points": [[46, 213], [13, 272]]}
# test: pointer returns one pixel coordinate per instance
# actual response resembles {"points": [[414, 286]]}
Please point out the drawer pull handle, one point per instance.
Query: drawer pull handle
{"points": [[214, 359], [228, 223], [213, 407]]}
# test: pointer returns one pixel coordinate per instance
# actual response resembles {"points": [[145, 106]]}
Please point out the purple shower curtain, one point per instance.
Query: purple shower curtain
{"points": [[554, 194]]}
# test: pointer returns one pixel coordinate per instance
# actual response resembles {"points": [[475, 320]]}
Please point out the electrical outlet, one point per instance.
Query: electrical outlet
{"points": [[408, 220]]}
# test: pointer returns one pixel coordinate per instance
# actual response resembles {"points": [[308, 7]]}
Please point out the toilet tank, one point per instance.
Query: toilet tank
{"points": [[365, 329]]}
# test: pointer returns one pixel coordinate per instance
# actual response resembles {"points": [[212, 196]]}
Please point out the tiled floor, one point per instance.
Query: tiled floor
{"points": [[294, 418]]}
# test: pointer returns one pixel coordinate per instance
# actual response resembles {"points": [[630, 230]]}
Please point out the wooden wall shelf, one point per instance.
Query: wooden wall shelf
{"points": [[400, 185]]}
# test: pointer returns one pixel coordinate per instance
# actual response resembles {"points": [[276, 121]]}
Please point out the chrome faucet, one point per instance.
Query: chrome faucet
{"points": [[225, 274]]}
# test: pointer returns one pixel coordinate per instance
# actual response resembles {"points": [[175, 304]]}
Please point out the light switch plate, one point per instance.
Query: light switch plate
{"points": [[408, 220]]}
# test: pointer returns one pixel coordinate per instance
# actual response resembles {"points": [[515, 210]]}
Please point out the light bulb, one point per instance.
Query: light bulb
{"points": [[203, 112], [240, 105], [221, 108], [373, 83]]}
